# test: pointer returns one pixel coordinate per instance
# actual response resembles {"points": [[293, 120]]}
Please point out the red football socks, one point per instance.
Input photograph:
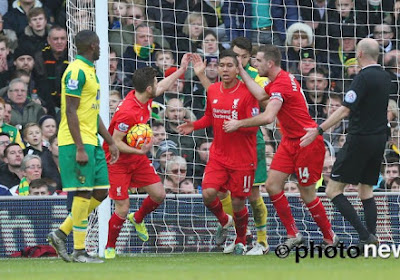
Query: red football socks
{"points": [[317, 211], [148, 206], [216, 208], [241, 219], [114, 227], [282, 207]]}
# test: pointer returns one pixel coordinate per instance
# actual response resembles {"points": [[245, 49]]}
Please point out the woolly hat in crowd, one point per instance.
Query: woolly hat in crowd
{"points": [[298, 26], [171, 70], [20, 51], [307, 53], [167, 145]]}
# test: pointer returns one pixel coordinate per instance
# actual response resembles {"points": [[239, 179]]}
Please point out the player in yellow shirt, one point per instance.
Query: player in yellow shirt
{"points": [[82, 161]]}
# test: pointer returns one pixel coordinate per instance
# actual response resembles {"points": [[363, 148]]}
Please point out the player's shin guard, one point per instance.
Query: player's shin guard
{"points": [[241, 220], [79, 214], [114, 227], [260, 214], [370, 214], [66, 226], [318, 213], [148, 206], [282, 207], [227, 205], [215, 207]]}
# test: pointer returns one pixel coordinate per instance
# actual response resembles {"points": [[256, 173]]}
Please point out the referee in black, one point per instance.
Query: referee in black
{"points": [[359, 161]]}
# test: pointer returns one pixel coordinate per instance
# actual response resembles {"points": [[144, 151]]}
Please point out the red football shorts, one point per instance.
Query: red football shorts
{"points": [[136, 174], [307, 162], [238, 182]]}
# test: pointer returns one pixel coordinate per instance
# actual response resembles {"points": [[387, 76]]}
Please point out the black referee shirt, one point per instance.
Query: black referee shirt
{"points": [[367, 100]]}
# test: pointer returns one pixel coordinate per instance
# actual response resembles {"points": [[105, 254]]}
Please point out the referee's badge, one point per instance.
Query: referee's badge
{"points": [[350, 96]]}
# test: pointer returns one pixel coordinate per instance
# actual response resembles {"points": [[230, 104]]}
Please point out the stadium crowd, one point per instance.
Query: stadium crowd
{"points": [[317, 40]]}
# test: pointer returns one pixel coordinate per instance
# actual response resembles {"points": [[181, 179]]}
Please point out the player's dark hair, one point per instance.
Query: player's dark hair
{"points": [[242, 43], [271, 52], [143, 77], [8, 147], [229, 53], [84, 39]]}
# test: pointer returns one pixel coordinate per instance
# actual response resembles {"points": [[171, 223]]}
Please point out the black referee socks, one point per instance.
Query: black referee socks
{"points": [[370, 214]]}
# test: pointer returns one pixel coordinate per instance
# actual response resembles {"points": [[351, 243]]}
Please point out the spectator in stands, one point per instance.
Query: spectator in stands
{"points": [[316, 92], [35, 33], [207, 10], [393, 113], [291, 186], [187, 187], [306, 64], [209, 44], [390, 170], [7, 112], [167, 16], [166, 150], [347, 14], [11, 172], [50, 65], [136, 16], [284, 13], [326, 172], [384, 35], [262, 24], [33, 137], [351, 69], [23, 110], [9, 34], [31, 167], [237, 16], [190, 38], [315, 14], [113, 101], [115, 81], [394, 185], [48, 126], [16, 17], [12, 132], [203, 152], [176, 171], [392, 66], [299, 35], [175, 113], [164, 60], [332, 103], [117, 14], [379, 11], [141, 54], [4, 142], [38, 187], [53, 148], [6, 62]]}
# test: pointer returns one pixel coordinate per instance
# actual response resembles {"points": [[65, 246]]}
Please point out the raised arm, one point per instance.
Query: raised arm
{"points": [[165, 83], [199, 67], [255, 89]]}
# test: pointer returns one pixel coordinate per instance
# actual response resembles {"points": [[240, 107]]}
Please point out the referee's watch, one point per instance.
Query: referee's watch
{"points": [[320, 130]]}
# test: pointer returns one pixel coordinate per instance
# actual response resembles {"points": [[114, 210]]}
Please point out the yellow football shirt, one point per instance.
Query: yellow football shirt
{"points": [[80, 81]]}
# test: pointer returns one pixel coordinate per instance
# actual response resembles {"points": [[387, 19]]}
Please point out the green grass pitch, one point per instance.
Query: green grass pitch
{"points": [[201, 266]]}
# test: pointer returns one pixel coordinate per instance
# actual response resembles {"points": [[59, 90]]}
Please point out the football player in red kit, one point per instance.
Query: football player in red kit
{"points": [[233, 157], [134, 169], [288, 104]]}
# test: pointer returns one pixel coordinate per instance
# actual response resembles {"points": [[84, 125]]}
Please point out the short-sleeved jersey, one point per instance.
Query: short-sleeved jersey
{"points": [[293, 116], [367, 100], [80, 81], [128, 113], [12, 131], [236, 150]]}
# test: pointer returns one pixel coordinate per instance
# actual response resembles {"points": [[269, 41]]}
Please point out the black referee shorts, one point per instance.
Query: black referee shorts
{"points": [[360, 159]]}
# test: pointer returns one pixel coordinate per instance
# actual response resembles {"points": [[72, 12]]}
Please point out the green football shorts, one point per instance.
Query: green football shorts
{"points": [[261, 171], [76, 177]]}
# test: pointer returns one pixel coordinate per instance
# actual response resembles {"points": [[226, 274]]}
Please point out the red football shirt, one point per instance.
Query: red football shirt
{"points": [[128, 113], [293, 116], [236, 150]]}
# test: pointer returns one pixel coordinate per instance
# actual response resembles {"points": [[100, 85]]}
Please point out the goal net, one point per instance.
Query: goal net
{"points": [[317, 39]]}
